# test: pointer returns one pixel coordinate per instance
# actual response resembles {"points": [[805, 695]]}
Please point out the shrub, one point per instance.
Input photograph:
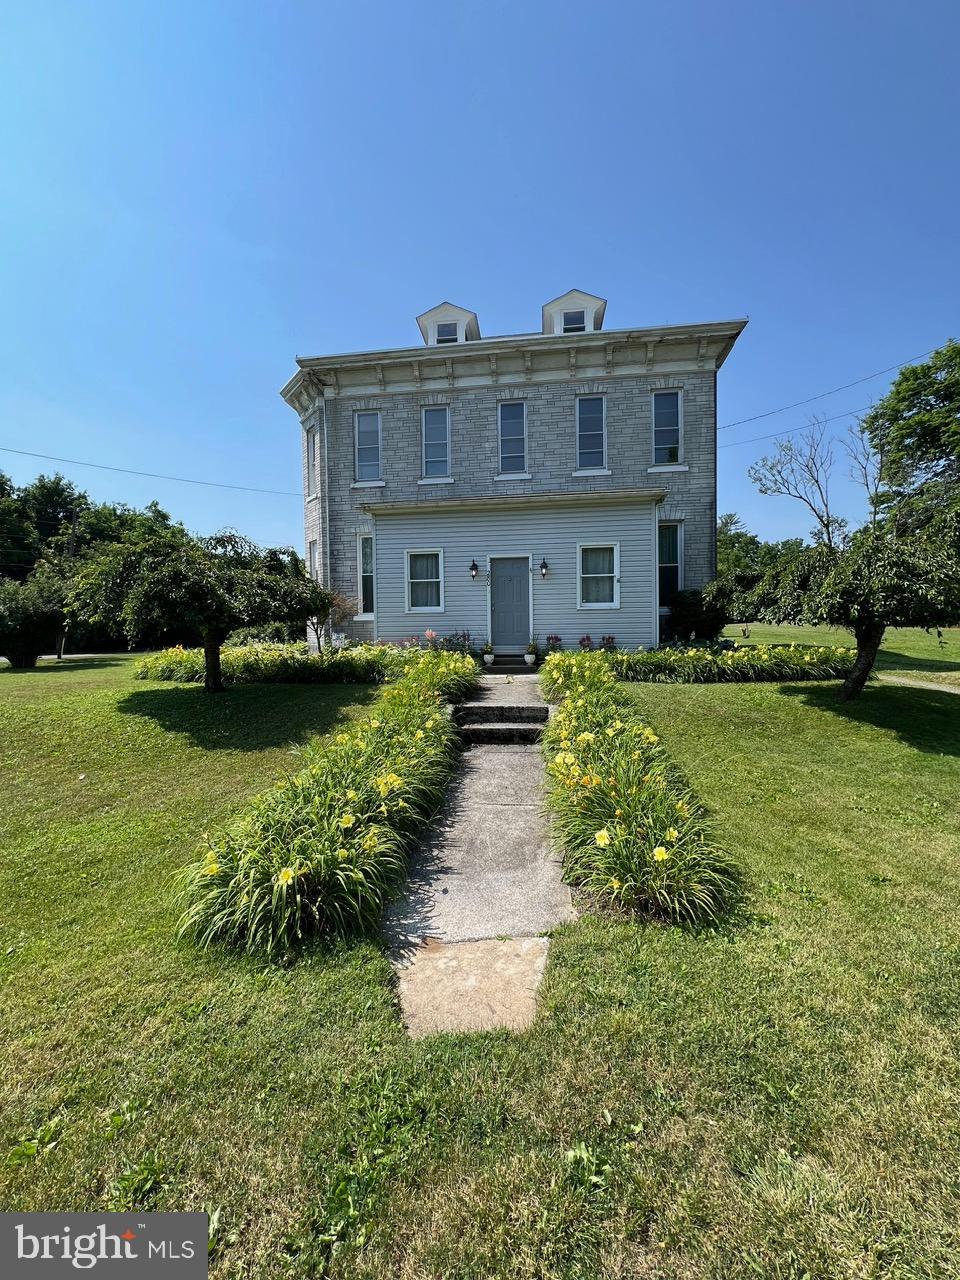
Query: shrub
{"points": [[31, 614], [279, 664], [320, 851], [608, 643], [714, 665], [694, 614], [268, 633], [586, 643], [633, 833]]}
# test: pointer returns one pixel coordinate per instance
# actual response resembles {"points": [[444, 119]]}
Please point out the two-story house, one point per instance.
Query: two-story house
{"points": [[552, 483]]}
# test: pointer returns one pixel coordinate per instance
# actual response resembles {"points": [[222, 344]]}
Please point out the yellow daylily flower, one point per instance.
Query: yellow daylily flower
{"points": [[347, 821], [672, 834], [660, 854], [285, 876], [602, 837]]}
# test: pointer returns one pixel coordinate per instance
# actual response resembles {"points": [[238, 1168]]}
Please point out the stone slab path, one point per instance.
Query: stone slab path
{"points": [[466, 938]]}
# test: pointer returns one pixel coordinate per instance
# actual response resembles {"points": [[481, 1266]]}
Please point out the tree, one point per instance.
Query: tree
{"points": [[740, 551], [883, 575], [158, 579], [915, 432], [31, 616], [880, 578]]}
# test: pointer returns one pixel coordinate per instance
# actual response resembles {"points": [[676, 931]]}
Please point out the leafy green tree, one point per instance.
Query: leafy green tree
{"points": [[31, 616], [879, 578], [915, 433], [160, 579], [741, 552]]}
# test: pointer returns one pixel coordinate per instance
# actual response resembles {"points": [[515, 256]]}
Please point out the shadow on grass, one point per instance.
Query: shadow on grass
{"points": [[47, 665], [922, 718], [251, 717], [890, 660]]}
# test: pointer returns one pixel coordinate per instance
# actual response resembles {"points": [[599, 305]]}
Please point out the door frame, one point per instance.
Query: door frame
{"points": [[506, 555]]}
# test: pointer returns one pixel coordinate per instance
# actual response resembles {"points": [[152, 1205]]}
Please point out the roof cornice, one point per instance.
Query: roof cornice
{"points": [[507, 501], [513, 359]]}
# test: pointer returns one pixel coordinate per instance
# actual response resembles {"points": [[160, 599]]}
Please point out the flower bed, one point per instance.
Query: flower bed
{"points": [[632, 831], [738, 663], [279, 664], [319, 852]]}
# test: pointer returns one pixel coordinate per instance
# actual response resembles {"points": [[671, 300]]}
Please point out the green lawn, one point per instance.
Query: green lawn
{"points": [[907, 652], [776, 1100]]}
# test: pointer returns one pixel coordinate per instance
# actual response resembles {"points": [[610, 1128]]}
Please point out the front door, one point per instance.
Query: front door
{"points": [[510, 604]]}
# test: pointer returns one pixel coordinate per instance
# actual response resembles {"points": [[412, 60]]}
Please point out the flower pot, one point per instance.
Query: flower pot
{"points": [[529, 659], [488, 659]]}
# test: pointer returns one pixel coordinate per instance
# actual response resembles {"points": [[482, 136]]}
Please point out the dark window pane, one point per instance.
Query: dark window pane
{"points": [[666, 409], [596, 560], [590, 457], [366, 593], [664, 456], [668, 539], [424, 564], [447, 331], [424, 595], [574, 322], [669, 582]]}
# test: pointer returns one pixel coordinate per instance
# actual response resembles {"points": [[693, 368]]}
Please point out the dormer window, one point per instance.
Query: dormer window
{"points": [[446, 325], [447, 331], [573, 312]]}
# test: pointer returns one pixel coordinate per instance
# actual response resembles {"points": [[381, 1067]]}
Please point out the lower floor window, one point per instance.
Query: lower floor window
{"points": [[671, 578], [365, 558], [599, 576], [312, 559], [425, 580]]}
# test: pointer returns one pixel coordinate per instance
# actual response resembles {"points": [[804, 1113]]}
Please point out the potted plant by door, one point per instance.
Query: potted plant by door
{"points": [[488, 653], [533, 648]]}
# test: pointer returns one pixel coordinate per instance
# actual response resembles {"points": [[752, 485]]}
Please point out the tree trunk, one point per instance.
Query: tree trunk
{"points": [[212, 677], [869, 636]]}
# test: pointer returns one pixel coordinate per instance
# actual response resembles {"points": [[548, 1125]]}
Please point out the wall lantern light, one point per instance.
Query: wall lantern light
{"points": [[543, 568], [474, 569]]}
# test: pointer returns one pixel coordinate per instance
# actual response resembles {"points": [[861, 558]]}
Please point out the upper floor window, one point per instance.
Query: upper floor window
{"points": [[591, 434], [598, 572], [671, 569], [368, 446], [447, 331], [436, 442], [365, 574], [574, 322], [513, 437], [311, 462], [667, 427]]}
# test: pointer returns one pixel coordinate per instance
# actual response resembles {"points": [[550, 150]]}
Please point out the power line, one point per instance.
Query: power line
{"points": [[791, 430], [150, 475], [823, 394]]}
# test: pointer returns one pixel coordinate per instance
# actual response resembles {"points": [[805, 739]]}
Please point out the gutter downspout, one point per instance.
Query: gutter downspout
{"points": [[322, 410]]}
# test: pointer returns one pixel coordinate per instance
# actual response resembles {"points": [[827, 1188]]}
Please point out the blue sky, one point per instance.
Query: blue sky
{"points": [[194, 192]]}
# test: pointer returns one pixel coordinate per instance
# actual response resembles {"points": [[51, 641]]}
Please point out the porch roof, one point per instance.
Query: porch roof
{"points": [[513, 501]]}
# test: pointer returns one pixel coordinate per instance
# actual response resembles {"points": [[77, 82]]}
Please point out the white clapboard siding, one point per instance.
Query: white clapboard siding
{"points": [[550, 534]]}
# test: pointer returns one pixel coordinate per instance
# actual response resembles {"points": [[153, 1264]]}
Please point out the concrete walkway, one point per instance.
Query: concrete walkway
{"points": [[467, 936]]}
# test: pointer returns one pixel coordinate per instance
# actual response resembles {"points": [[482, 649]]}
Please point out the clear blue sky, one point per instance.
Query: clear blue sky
{"points": [[194, 192]]}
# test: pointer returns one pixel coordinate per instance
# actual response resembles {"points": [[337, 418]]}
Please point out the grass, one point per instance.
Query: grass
{"points": [[777, 1100], [907, 652]]}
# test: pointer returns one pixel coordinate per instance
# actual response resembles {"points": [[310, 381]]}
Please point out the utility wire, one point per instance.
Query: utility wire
{"points": [[791, 430], [796, 405], [150, 475]]}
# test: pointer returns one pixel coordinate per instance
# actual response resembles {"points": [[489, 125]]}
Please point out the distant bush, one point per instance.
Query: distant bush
{"points": [[320, 851], [31, 614], [693, 613], [279, 664], [633, 833], [687, 664], [268, 633]]}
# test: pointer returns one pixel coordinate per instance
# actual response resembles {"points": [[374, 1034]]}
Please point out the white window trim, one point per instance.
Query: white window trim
{"points": [[357, 482], [602, 469], [664, 608], [586, 312], [447, 342], [361, 616], [653, 425], [581, 546], [311, 485], [313, 558], [421, 551], [512, 475], [448, 474]]}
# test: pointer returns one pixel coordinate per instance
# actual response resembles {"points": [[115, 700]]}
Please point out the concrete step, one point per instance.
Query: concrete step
{"points": [[502, 731], [510, 667], [499, 713]]}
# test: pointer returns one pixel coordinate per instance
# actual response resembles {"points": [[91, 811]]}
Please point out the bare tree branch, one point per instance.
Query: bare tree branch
{"points": [[802, 469]]}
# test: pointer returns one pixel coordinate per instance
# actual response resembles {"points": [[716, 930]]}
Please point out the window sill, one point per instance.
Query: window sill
{"points": [[368, 484], [514, 475], [312, 497], [431, 610], [592, 607], [668, 466], [436, 480], [363, 617], [592, 471]]}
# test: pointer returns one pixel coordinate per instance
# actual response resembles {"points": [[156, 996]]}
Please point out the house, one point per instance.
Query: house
{"points": [[552, 483]]}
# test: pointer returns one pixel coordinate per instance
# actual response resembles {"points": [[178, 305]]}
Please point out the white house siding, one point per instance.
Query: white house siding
{"points": [[551, 533]]}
